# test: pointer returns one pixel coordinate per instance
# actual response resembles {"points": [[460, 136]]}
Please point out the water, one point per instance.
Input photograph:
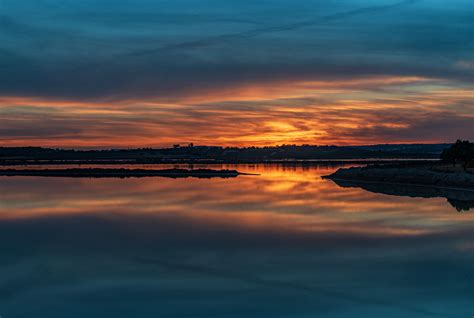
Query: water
{"points": [[284, 243]]}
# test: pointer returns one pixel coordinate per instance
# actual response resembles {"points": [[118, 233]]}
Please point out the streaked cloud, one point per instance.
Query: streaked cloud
{"points": [[235, 73], [349, 112]]}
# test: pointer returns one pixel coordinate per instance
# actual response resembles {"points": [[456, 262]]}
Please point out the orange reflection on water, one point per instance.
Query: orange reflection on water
{"points": [[281, 199]]}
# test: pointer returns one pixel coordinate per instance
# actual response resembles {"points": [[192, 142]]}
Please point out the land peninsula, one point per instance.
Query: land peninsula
{"points": [[121, 173], [454, 170]]}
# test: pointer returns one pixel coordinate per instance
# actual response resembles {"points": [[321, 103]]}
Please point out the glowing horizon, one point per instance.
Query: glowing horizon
{"points": [[93, 75]]}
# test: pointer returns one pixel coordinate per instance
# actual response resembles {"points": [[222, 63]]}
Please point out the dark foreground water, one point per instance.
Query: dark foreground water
{"points": [[281, 244]]}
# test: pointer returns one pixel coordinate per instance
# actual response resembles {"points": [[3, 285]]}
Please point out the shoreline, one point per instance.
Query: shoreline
{"points": [[420, 185], [121, 173], [406, 175], [38, 162]]}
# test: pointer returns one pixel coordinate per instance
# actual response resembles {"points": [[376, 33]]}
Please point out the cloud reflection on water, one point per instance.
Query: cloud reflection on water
{"points": [[284, 243]]}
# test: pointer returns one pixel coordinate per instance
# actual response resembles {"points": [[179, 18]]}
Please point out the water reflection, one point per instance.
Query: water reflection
{"points": [[282, 244], [461, 200]]}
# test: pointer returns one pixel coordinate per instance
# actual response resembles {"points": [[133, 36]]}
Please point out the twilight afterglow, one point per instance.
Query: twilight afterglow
{"points": [[236, 158], [102, 74]]}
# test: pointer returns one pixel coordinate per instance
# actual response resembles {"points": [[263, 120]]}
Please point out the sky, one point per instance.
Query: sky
{"points": [[144, 73]]}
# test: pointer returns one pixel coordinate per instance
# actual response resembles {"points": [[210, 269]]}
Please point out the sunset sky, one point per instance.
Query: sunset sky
{"points": [[144, 73]]}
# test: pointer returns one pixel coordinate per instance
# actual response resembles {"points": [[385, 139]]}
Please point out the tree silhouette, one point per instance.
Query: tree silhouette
{"points": [[460, 152], [461, 205]]}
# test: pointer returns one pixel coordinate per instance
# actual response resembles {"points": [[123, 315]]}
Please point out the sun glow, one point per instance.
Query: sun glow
{"points": [[371, 110]]}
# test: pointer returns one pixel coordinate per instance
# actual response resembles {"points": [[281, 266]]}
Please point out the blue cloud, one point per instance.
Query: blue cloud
{"points": [[97, 49]]}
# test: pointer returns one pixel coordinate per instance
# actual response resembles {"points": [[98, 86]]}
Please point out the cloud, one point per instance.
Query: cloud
{"points": [[233, 73], [54, 50], [349, 112], [465, 65], [279, 28]]}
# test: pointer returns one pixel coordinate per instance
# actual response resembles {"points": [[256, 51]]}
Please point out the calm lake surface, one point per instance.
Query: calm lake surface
{"points": [[284, 243]]}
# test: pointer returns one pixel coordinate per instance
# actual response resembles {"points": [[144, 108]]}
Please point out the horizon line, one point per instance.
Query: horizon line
{"points": [[191, 145]]}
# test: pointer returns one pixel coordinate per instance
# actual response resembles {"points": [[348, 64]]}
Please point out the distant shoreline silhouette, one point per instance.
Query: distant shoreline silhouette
{"points": [[210, 154], [121, 173]]}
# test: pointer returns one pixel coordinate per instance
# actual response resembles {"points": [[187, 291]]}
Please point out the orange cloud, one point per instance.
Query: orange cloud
{"points": [[359, 111]]}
